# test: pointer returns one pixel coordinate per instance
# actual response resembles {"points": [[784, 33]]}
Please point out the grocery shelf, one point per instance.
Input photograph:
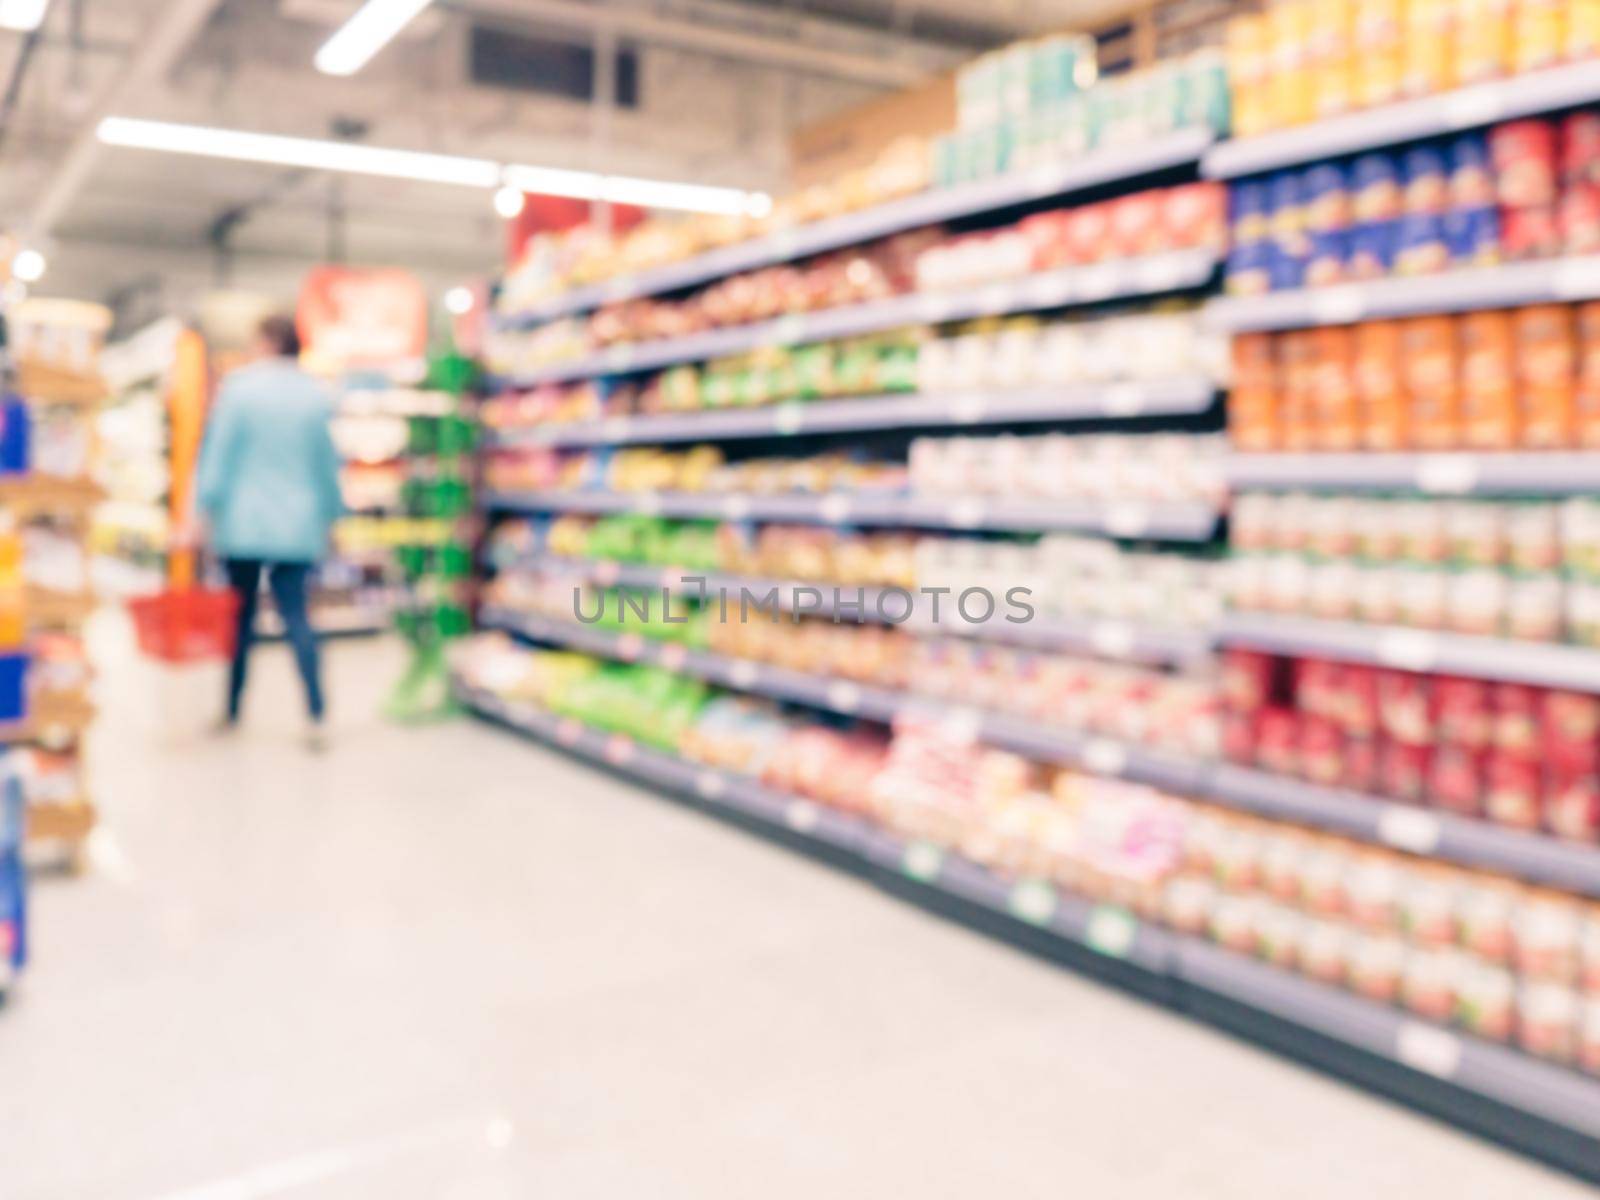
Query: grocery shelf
{"points": [[1108, 165], [1548, 280], [1440, 835], [1544, 473], [1506, 1076], [1535, 1106], [1177, 396], [1148, 275], [1408, 121], [1183, 521], [1105, 637], [1542, 664], [1104, 756]]}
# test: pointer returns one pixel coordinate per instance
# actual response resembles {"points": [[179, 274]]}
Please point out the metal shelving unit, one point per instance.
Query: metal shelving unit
{"points": [[1536, 473], [1542, 664], [1101, 755], [1116, 279], [1439, 835], [1176, 521], [1108, 165], [1127, 641], [1533, 1105], [1181, 396], [1431, 116], [1541, 282]]}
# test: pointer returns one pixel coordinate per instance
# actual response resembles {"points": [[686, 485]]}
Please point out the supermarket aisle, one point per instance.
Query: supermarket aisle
{"points": [[445, 964]]}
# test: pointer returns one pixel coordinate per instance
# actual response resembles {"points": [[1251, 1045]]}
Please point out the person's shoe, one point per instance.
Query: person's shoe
{"points": [[316, 739], [224, 727]]}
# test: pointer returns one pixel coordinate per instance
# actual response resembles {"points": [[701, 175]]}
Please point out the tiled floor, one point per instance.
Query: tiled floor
{"points": [[444, 964]]}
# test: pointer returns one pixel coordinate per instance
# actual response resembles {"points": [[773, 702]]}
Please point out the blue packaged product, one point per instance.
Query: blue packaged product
{"points": [[1419, 245], [1426, 178], [1286, 202], [1327, 197], [1287, 271], [16, 435], [1250, 269], [1472, 236], [1249, 215], [1375, 188], [1372, 250], [1330, 248], [1471, 174]]}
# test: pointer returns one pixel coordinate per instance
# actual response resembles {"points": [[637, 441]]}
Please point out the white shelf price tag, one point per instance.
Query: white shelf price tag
{"points": [[1158, 274], [788, 418], [835, 508], [607, 572], [1123, 400], [1112, 639], [1475, 106], [785, 242], [843, 696], [789, 329], [710, 785], [968, 408], [1408, 649], [1426, 1048], [1447, 474], [1046, 179], [935, 307], [1033, 901], [1105, 757], [736, 508], [616, 429], [922, 861], [619, 750], [995, 298], [1111, 931], [568, 732], [1338, 305], [744, 673], [1409, 829], [962, 725], [630, 646], [619, 289], [620, 357], [801, 816], [1049, 290], [1127, 519], [1097, 282], [674, 657], [648, 504], [966, 513], [1577, 278]]}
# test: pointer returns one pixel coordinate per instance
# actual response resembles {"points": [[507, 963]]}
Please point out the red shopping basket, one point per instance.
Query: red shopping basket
{"points": [[187, 625]]}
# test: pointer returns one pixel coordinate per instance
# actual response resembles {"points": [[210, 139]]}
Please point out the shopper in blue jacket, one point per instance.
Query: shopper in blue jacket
{"points": [[268, 489]]}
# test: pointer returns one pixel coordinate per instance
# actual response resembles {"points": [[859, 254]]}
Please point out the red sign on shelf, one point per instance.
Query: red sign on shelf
{"points": [[362, 317]]}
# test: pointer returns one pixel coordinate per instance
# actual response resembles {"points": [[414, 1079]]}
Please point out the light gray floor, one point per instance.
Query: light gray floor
{"points": [[446, 964]]}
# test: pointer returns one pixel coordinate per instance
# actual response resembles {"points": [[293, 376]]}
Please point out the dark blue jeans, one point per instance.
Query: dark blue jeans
{"points": [[288, 583]]}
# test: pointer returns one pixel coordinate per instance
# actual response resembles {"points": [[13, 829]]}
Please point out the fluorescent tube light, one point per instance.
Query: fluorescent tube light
{"points": [[371, 29], [22, 15], [355, 158], [349, 157]]}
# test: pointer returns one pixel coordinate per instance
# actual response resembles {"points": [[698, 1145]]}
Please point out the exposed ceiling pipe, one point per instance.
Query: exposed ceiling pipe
{"points": [[884, 68], [168, 37], [19, 72]]}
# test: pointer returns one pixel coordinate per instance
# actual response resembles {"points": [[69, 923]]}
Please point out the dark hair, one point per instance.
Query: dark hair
{"points": [[279, 332]]}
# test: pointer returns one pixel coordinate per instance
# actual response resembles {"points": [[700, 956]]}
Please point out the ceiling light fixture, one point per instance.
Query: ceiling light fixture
{"points": [[509, 201], [28, 266], [372, 28], [459, 300], [354, 159], [23, 15], [358, 159]]}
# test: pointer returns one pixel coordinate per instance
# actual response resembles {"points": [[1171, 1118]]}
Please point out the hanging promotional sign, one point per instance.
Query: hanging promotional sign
{"points": [[352, 317]]}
